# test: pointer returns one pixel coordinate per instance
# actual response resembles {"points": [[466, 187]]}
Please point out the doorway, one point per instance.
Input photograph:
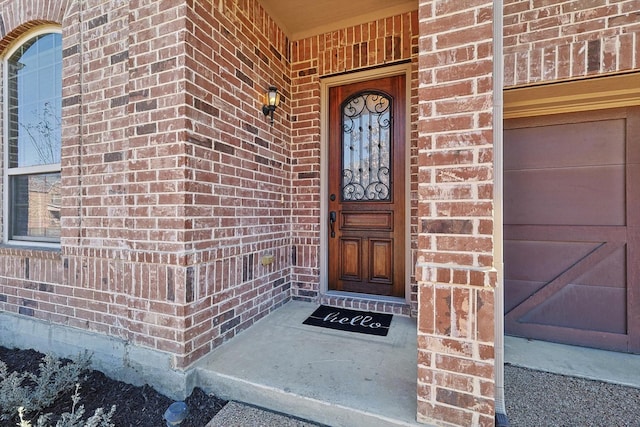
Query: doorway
{"points": [[366, 187]]}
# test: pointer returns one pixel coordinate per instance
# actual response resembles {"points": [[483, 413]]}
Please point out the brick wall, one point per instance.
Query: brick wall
{"points": [[455, 273], [385, 41], [175, 185], [546, 41], [239, 168]]}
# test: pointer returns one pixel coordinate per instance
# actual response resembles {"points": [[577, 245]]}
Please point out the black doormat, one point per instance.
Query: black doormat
{"points": [[364, 322]]}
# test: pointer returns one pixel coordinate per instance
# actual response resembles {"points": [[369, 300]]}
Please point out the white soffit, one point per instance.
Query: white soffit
{"points": [[303, 18]]}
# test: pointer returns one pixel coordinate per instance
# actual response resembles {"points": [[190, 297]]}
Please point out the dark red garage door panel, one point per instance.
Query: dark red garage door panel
{"points": [[571, 214]]}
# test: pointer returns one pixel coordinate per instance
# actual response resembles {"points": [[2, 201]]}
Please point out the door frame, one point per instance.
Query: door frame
{"points": [[325, 85]]}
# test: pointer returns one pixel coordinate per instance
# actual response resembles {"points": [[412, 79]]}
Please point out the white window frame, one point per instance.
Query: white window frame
{"points": [[28, 170]]}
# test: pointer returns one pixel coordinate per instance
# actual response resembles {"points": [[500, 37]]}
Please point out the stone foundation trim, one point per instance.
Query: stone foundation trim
{"points": [[114, 357]]}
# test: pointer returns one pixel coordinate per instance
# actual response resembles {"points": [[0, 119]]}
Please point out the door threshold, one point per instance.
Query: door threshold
{"points": [[367, 302]]}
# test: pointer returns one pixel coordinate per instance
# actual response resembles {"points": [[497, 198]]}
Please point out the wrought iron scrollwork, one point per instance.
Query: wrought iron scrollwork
{"points": [[377, 190], [366, 147]]}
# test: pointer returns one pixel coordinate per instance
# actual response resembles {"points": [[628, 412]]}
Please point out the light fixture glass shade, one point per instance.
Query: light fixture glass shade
{"points": [[271, 101], [272, 97]]}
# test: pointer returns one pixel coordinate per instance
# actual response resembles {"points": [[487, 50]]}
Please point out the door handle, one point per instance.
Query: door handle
{"points": [[332, 222]]}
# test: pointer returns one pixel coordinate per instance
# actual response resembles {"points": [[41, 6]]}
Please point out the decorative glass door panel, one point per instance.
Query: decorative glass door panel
{"points": [[366, 142]]}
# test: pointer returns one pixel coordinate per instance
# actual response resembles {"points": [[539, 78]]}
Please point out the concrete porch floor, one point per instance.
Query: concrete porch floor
{"points": [[347, 379], [330, 377]]}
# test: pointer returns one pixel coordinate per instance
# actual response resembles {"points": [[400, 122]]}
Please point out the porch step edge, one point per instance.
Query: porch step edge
{"points": [[281, 401]]}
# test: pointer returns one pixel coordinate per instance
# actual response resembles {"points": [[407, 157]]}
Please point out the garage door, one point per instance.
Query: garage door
{"points": [[571, 233]]}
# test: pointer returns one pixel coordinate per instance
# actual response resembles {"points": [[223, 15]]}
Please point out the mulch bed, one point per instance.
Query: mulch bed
{"points": [[135, 406]]}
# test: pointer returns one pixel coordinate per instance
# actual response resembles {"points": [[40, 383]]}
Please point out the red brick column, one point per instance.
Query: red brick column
{"points": [[455, 266]]}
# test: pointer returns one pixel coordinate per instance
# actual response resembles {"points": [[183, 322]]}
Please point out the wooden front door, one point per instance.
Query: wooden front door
{"points": [[367, 187], [572, 228]]}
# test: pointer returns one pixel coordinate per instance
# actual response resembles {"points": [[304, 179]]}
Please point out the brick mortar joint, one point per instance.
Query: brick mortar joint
{"points": [[528, 49], [432, 265], [428, 274], [474, 342]]}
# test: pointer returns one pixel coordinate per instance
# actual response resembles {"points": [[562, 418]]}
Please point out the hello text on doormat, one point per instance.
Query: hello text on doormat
{"points": [[364, 322]]}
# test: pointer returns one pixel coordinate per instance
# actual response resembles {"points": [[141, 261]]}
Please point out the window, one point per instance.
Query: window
{"points": [[32, 140]]}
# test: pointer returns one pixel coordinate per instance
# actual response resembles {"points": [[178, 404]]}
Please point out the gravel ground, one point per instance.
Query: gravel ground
{"points": [[541, 399], [239, 415]]}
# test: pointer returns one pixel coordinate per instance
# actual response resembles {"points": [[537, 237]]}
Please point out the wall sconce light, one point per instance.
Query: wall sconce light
{"points": [[271, 101]]}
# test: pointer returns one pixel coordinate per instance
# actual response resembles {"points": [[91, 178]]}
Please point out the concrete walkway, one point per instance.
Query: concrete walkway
{"points": [[329, 377]]}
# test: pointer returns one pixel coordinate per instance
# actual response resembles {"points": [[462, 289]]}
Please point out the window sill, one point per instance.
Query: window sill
{"points": [[31, 250]]}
